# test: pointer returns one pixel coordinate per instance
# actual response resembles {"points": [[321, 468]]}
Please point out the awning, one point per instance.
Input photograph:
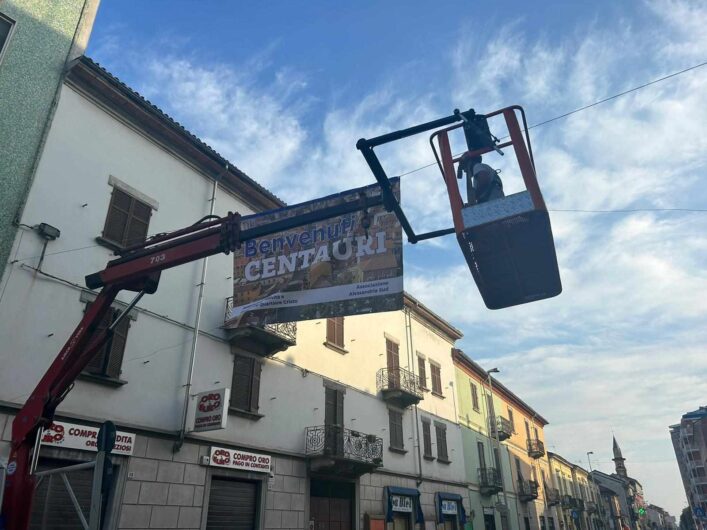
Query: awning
{"points": [[453, 497], [404, 492]]}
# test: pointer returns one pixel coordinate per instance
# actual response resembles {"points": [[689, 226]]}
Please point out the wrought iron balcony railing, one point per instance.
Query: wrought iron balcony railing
{"points": [[577, 504], [399, 385], [527, 490], [552, 495], [536, 449], [490, 481], [285, 330], [338, 442], [500, 428]]}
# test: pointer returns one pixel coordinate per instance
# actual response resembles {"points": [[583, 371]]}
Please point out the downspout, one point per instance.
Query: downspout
{"points": [[197, 322], [411, 350]]}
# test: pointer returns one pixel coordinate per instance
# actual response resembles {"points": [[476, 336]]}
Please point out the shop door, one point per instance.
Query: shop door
{"points": [[449, 522], [331, 505], [401, 521], [489, 521], [232, 505]]}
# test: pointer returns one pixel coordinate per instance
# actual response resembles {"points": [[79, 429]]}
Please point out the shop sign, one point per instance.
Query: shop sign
{"points": [[488, 511], [72, 436], [210, 412], [235, 459], [401, 503], [449, 507]]}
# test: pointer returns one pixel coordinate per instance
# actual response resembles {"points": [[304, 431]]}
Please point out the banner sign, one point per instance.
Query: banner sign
{"points": [[234, 459], [345, 265], [449, 507], [401, 503], [210, 412], [72, 436]]}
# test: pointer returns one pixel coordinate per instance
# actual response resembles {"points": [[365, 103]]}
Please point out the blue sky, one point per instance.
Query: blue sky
{"points": [[284, 90]]}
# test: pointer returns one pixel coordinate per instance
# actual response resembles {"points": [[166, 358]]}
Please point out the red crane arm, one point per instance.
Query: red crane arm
{"points": [[137, 270]]}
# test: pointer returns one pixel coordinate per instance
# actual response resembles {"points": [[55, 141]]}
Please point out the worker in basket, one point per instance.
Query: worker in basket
{"points": [[482, 181]]}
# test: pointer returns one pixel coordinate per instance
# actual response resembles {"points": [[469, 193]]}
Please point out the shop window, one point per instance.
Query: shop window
{"points": [[421, 369], [109, 359], [441, 435], [436, 379], [335, 332], [127, 220], [427, 438], [396, 430], [245, 389]]}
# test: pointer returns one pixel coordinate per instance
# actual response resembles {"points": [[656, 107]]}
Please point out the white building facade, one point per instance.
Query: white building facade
{"points": [[305, 445]]}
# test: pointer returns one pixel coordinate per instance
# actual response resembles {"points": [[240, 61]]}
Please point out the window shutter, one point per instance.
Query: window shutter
{"points": [[97, 363], [339, 324], [117, 347], [127, 220], [396, 428], [436, 379], [242, 374], [339, 408], [139, 221], [474, 397], [422, 371], [331, 330], [441, 442], [335, 331], [482, 455], [427, 438], [255, 386], [329, 406]]}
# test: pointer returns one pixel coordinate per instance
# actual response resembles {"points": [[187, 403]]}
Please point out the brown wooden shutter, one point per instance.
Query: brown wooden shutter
{"points": [[242, 375], [255, 386], [441, 442], [482, 455], [335, 331], [331, 330], [340, 408], [136, 231], [117, 347], [422, 372], [396, 429], [474, 397], [118, 216], [98, 362], [427, 438], [436, 379]]}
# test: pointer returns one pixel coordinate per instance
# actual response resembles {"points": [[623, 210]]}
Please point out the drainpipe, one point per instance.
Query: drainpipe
{"points": [[197, 322]]}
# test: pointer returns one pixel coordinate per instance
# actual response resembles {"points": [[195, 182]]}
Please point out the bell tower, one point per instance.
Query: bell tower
{"points": [[619, 461]]}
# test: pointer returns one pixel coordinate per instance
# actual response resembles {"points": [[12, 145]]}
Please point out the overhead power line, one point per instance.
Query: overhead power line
{"points": [[589, 106]]}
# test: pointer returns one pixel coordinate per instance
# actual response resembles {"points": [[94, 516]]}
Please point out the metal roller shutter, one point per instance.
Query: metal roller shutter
{"points": [[52, 508], [232, 505]]}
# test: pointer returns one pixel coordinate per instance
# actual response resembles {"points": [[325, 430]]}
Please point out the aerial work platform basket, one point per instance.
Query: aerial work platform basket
{"points": [[507, 241]]}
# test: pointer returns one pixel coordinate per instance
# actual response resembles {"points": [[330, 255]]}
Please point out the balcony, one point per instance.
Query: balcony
{"points": [[575, 503], [399, 386], [501, 428], [566, 502], [490, 481], [261, 339], [536, 449], [590, 506], [552, 495], [527, 490], [335, 450]]}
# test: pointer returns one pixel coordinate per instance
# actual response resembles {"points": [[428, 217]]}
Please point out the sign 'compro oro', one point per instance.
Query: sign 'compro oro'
{"points": [[235, 459], [73, 436], [346, 265], [209, 410]]}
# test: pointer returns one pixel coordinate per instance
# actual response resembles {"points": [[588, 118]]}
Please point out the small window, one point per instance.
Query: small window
{"points": [[6, 25], [335, 331], [423, 372], [427, 438], [127, 220], [535, 432], [510, 418], [482, 454], [527, 429], [109, 360], [396, 429], [474, 397], [436, 379], [245, 389], [441, 432]]}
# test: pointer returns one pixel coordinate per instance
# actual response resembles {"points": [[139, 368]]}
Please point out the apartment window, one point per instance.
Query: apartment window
{"points": [[127, 219], [535, 432], [109, 360], [542, 522], [335, 331], [6, 25], [519, 470], [527, 429], [542, 474], [245, 389], [422, 371], [474, 397], [482, 454], [396, 430], [436, 379], [441, 432], [510, 418], [551, 522], [427, 438]]}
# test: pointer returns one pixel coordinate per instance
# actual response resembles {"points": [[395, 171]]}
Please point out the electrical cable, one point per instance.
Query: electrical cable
{"points": [[585, 107]]}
